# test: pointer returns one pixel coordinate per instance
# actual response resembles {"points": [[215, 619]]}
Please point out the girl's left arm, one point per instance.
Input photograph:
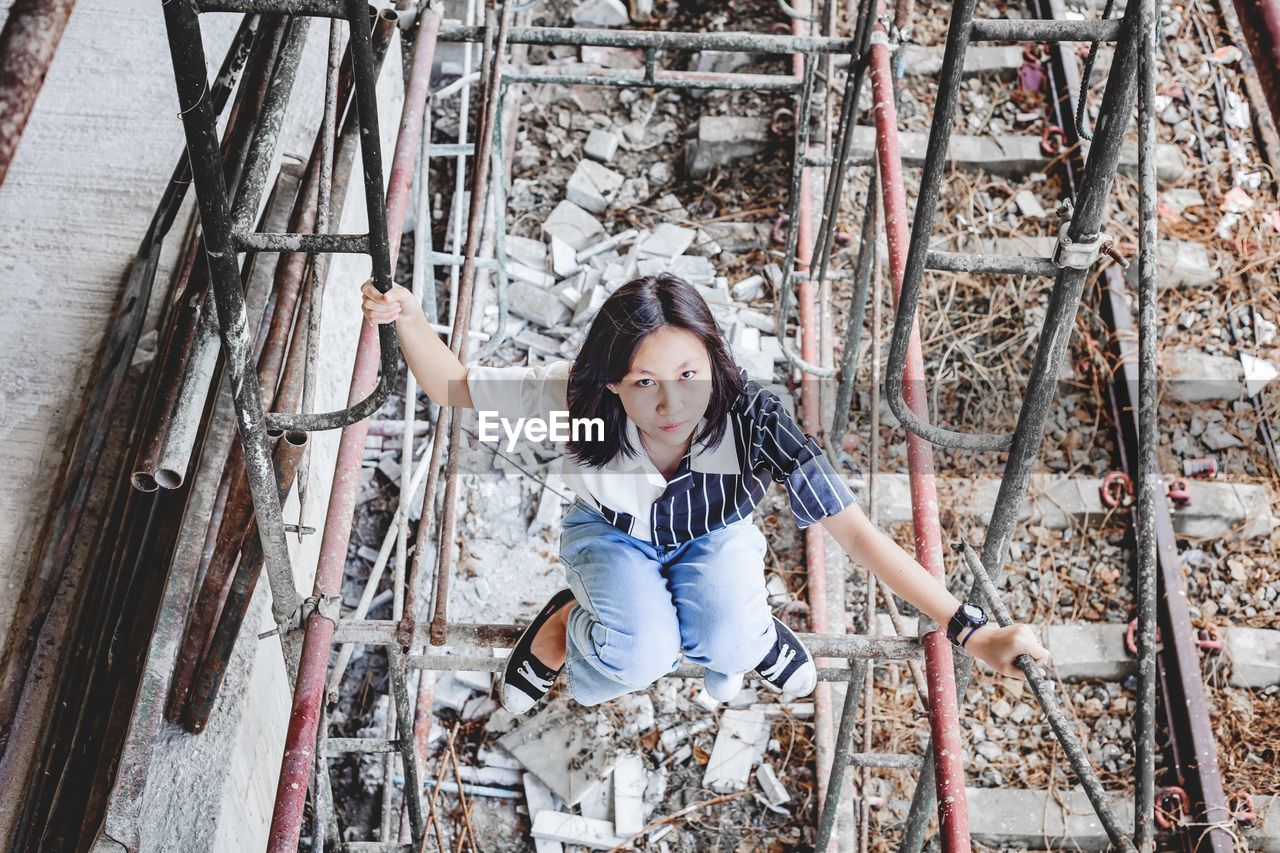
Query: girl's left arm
{"points": [[870, 546]]}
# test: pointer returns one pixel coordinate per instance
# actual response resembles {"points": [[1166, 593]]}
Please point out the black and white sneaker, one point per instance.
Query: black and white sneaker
{"points": [[788, 668], [526, 679]]}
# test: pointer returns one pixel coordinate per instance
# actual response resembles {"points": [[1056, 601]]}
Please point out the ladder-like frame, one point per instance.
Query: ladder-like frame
{"points": [[226, 226]]}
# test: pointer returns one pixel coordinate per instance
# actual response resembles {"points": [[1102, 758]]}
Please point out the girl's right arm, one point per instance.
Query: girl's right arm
{"points": [[434, 365]]}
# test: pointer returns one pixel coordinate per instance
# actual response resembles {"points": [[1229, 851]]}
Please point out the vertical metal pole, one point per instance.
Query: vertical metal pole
{"points": [[1148, 463], [943, 693], [187, 53], [840, 756]]}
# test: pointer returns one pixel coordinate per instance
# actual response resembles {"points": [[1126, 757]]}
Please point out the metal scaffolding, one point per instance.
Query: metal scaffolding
{"points": [[273, 442]]}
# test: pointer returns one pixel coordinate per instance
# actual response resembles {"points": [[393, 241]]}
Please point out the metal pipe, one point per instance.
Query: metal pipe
{"points": [[660, 79], [462, 319], [208, 676], [1043, 688], [349, 244], [187, 52], [1148, 462], [841, 758], [1117, 105], [661, 40], [28, 43], [365, 99], [990, 264], [863, 268], [298, 761], [944, 722], [1044, 30]]}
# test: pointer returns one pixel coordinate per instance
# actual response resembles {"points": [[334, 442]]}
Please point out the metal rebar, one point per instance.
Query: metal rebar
{"points": [[863, 268], [1043, 689], [884, 761]]}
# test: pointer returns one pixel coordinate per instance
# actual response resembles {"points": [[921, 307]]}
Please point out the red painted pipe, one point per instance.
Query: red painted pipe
{"points": [[27, 46], [948, 752], [309, 689]]}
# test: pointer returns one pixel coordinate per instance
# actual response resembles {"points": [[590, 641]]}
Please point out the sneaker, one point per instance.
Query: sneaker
{"points": [[788, 667], [526, 679]]}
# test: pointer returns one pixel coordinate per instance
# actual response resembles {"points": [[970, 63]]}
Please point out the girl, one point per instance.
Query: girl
{"points": [[662, 557]]}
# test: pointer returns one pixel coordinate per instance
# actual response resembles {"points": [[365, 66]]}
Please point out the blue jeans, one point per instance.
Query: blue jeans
{"points": [[641, 606]]}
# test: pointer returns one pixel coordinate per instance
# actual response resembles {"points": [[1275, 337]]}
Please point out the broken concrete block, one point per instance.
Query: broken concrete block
{"points": [[600, 13], [739, 746], [675, 734], [536, 305], [1028, 205], [749, 288], [748, 337], [527, 251], [601, 145], [573, 225], [774, 791], [776, 587], [481, 681], [758, 364], [637, 710], [721, 61], [535, 276], [772, 347], [1030, 819], [704, 245], [628, 794], [705, 700], [598, 805], [721, 140], [667, 241], [539, 798], [450, 693], [1255, 656], [574, 829], [756, 320], [1258, 373], [570, 760], [564, 258], [588, 304], [593, 186]]}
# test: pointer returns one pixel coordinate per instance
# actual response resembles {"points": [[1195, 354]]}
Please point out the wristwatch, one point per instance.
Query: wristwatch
{"points": [[969, 618]]}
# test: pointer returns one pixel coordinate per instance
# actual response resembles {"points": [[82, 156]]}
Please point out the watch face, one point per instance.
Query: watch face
{"points": [[973, 613]]}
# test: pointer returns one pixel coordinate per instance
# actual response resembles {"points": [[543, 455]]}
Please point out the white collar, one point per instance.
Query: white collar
{"points": [[721, 459]]}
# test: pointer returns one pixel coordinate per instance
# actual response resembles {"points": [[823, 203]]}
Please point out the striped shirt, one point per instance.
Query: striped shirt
{"points": [[711, 488]]}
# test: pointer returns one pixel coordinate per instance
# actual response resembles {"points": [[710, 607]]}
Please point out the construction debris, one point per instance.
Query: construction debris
{"points": [[739, 746]]}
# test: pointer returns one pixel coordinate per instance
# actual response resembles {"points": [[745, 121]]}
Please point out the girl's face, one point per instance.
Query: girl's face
{"points": [[667, 389]]}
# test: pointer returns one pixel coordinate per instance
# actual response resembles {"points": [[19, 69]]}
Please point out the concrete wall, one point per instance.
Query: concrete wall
{"points": [[100, 145]]}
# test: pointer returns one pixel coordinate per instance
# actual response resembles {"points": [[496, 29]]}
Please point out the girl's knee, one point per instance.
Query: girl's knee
{"points": [[638, 660]]}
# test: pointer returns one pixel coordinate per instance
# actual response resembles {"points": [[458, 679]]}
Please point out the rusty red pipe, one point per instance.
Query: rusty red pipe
{"points": [[309, 688], [948, 751], [27, 46]]}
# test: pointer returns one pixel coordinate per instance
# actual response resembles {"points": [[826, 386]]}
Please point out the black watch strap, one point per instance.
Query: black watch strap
{"points": [[967, 619]]}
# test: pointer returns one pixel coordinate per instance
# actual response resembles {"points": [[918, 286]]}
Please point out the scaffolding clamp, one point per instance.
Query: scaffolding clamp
{"points": [[1078, 255], [328, 606]]}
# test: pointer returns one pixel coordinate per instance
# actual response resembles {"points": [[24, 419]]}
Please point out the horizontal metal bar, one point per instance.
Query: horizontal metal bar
{"points": [[662, 79], [336, 746], [884, 760], [350, 244], [744, 42], [375, 847], [381, 632], [318, 8], [1007, 264], [984, 29], [453, 149]]}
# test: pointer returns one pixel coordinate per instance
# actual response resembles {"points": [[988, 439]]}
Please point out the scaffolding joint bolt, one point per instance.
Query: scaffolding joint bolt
{"points": [[1078, 255]]}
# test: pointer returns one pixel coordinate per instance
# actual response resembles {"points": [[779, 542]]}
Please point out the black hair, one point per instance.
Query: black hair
{"points": [[633, 312]]}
